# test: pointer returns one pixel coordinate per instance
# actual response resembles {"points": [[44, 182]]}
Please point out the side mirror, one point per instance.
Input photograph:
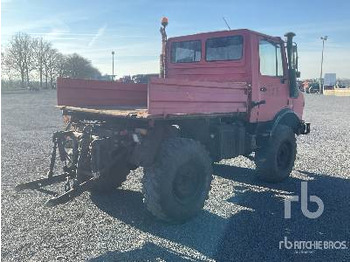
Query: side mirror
{"points": [[297, 74]]}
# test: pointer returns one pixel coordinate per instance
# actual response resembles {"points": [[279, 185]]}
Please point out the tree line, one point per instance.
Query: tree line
{"points": [[31, 59]]}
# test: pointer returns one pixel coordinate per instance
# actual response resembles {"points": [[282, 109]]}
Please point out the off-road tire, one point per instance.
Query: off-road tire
{"points": [[275, 159], [181, 165], [111, 179]]}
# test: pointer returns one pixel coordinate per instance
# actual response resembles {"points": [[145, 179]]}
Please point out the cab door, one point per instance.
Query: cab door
{"points": [[272, 79]]}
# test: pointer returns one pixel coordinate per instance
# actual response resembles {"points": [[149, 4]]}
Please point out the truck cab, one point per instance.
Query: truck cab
{"points": [[240, 56]]}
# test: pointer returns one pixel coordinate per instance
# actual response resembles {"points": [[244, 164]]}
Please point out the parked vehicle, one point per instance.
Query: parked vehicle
{"points": [[219, 95], [313, 88]]}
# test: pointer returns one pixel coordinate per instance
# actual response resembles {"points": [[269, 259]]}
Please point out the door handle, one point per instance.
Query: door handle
{"points": [[257, 103], [263, 89]]}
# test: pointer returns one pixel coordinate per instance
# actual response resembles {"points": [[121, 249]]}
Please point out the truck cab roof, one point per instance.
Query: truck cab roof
{"points": [[205, 35]]}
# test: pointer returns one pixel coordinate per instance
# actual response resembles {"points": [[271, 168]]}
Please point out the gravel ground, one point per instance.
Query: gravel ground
{"points": [[242, 220]]}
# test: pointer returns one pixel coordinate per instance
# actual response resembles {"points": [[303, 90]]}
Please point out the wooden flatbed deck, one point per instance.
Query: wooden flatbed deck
{"points": [[119, 112], [137, 113]]}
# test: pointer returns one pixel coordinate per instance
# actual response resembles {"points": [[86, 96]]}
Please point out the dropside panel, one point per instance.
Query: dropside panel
{"points": [[77, 92], [175, 96]]}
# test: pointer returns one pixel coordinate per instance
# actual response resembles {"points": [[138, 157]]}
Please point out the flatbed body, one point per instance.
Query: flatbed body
{"points": [[197, 88], [160, 99]]}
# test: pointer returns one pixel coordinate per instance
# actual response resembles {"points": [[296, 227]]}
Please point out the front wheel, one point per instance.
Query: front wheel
{"points": [[275, 160], [177, 185]]}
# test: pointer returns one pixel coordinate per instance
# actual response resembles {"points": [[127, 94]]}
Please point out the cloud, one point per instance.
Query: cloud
{"points": [[46, 26], [99, 33]]}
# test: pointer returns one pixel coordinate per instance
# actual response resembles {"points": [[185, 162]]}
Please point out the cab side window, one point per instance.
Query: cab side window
{"points": [[186, 51], [270, 59], [224, 48]]}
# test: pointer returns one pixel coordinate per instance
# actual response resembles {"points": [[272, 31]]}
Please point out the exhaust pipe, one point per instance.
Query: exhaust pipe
{"points": [[289, 37], [292, 64], [163, 70]]}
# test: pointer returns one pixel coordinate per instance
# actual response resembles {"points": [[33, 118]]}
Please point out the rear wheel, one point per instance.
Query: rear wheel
{"points": [[177, 185], [111, 179], [113, 167], [275, 160]]}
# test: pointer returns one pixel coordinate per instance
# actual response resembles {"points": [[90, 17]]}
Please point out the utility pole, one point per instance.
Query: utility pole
{"points": [[113, 65], [323, 38]]}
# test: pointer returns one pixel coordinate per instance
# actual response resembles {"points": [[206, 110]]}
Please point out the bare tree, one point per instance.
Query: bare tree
{"points": [[2, 60], [19, 56], [41, 49], [5, 69], [61, 66], [49, 66], [24, 55], [54, 66]]}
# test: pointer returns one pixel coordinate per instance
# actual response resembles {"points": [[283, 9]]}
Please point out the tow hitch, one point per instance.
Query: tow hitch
{"points": [[304, 128], [76, 172]]}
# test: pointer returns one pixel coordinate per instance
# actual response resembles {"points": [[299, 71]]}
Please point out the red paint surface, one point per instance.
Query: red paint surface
{"points": [[277, 91], [175, 96], [237, 70], [77, 92]]}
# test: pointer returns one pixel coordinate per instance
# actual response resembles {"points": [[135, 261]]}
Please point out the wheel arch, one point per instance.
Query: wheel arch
{"points": [[286, 117]]}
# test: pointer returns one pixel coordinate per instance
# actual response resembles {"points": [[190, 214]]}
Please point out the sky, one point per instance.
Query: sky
{"points": [[131, 28]]}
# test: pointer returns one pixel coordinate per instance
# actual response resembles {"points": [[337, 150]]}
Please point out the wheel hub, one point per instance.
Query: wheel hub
{"points": [[186, 185], [284, 155]]}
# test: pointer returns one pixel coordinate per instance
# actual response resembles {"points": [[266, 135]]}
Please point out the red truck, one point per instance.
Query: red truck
{"points": [[219, 95]]}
